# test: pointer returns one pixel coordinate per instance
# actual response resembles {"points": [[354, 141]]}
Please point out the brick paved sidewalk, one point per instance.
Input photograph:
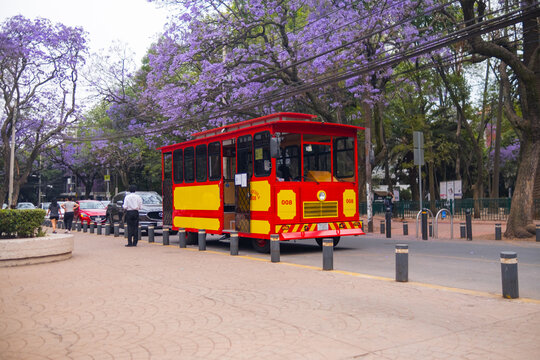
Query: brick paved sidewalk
{"points": [[157, 302]]}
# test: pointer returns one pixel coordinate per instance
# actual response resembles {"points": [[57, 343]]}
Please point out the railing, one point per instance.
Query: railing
{"points": [[484, 209]]}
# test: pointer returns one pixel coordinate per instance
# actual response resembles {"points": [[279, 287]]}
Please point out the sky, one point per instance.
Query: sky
{"points": [[137, 23]]}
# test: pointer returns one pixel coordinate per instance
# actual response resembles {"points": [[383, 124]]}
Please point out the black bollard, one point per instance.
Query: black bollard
{"points": [[402, 262], [234, 243], [92, 227], [78, 226], [537, 232], [430, 229], [405, 228], [165, 236], [424, 225], [382, 226], [388, 223], [328, 254], [116, 228], [202, 240], [139, 233], [150, 234], [497, 231], [182, 238], [85, 227], [107, 229], [462, 231], [468, 222], [99, 229], [509, 274], [274, 248]]}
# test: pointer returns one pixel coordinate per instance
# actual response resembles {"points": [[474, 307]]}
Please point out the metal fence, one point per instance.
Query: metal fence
{"points": [[485, 209]]}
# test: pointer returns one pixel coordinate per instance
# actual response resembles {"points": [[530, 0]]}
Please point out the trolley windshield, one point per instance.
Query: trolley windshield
{"points": [[315, 158]]}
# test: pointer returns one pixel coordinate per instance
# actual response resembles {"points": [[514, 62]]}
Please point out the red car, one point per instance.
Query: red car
{"points": [[91, 211]]}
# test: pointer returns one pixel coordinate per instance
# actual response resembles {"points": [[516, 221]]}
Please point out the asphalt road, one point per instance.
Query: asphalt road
{"points": [[460, 264]]}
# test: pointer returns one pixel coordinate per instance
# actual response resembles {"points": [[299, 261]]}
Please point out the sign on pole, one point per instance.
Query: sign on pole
{"points": [[450, 190], [418, 139]]}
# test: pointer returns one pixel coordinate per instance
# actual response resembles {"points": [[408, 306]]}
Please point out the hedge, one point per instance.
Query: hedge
{"points": [[21, 223]]}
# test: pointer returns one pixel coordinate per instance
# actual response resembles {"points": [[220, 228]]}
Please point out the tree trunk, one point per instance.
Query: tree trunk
{"points": [[497, 151], [478, 192], [522, 210], [458, 155]]}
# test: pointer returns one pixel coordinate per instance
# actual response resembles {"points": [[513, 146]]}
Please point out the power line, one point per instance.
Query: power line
{"points": [[480, 28]]}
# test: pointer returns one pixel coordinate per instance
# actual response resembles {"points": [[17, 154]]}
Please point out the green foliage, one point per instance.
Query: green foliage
{"points": [[21, 223]]}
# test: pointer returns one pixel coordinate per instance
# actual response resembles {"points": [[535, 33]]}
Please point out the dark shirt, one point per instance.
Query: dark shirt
{"points": [[54, 211]]}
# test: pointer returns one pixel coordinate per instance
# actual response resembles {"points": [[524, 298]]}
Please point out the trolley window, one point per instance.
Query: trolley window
{"points": [[229, 159], [344, 159], [201, 163], [317, 159], [214, 161], [261, 145], [288, 165], [189, 162], [245, 157], [178, 166], [167, 166]]}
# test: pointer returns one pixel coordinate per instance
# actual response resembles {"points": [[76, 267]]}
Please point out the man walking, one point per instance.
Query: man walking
{"points": [[132, 205]]}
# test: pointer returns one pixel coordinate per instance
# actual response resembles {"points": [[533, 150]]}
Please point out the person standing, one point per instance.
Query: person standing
{"points": [[69, 211], [389, 202], [54, 214], [132, 205]]}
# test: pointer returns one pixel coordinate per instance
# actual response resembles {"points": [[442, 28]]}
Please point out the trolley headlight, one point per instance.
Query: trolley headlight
{"points": [[321, 195]]}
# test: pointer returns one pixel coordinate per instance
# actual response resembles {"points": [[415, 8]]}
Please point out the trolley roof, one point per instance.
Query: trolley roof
{"points": [[282, 117]]}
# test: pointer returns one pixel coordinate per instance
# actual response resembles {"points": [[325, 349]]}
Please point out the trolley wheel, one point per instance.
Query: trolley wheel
{"points": [[320, 241], [261, 245], [192, 238]]}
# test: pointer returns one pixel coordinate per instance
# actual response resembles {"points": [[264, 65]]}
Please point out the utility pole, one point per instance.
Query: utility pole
{"points": [[367, 147], [418, 142], [39, 190], [108, 181], [12, 156]]}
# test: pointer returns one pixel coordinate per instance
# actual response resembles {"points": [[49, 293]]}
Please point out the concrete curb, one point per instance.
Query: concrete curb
{"points": [[16, 252]]}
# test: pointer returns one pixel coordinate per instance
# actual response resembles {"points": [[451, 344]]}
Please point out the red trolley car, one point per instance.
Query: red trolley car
{"points": [[284, 174]]}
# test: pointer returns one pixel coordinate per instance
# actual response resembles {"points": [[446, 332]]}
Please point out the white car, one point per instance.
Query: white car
{"points": [[25, 206]]}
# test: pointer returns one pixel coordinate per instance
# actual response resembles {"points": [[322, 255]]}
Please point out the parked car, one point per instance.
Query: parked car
{"points": [[25, 206], [90, 211], [151, 213]]}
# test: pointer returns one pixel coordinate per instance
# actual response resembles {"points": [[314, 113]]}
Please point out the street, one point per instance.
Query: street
{"points": [[471, 265]]}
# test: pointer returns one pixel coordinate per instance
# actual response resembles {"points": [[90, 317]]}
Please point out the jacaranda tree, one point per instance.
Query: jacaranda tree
{"points": [[227, 60], [39, 63]]}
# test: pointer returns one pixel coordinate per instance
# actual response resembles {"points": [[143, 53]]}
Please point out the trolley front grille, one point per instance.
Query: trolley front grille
{"points": [[320, 209]]}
